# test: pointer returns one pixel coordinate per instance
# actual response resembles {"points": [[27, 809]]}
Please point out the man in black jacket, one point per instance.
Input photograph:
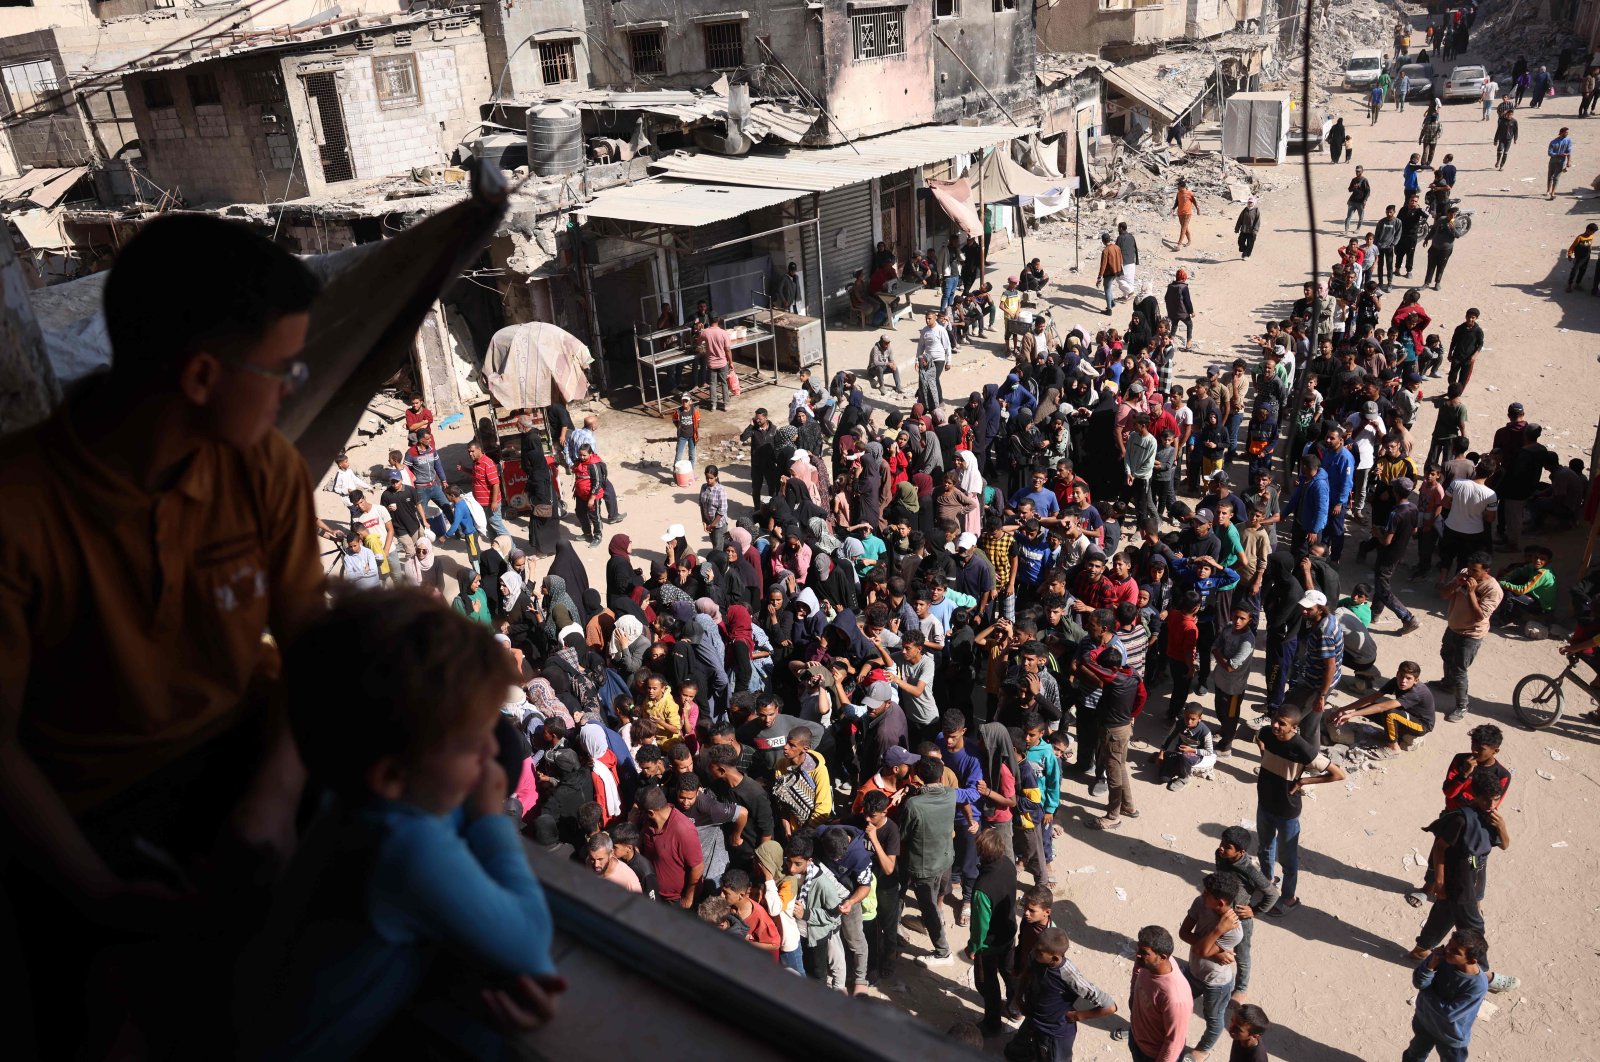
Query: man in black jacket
{"points": [[1412, 218], [1465, 343], [1386, 235], [762, 439], [1356, 205]]}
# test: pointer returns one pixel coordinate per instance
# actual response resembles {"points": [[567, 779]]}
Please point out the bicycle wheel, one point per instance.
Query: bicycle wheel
{"points": [[1538, 700]]}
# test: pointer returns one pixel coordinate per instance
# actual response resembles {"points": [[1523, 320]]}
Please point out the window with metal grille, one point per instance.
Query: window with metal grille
{"points": [[396, 77], [28, 83], [557, 62], [157, 93], [264, 86], [879, 33], [946, 8], [647, 50], [203, 89], [725, 45]]}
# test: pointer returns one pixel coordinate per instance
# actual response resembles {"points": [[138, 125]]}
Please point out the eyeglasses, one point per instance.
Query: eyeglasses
{"points": [[291, 378]]}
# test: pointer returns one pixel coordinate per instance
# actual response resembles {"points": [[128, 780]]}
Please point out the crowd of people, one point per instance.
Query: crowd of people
{"points": [[862, 684]]}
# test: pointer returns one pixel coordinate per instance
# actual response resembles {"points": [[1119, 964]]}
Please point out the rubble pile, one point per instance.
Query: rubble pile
{"points": [[1516, 29], [1144, 176], [1358, 24]]}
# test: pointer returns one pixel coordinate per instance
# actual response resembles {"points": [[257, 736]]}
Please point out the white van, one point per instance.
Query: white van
{"points": [[1363, 68]]}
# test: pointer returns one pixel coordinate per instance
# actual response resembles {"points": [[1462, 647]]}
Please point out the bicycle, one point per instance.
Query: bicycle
{"points": [[1539, 699]]}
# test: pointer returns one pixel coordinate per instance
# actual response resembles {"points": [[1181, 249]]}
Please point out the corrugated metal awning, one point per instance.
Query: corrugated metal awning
{"points": [[824, 169], [44, 186], [685, 204], [1136, 89]]}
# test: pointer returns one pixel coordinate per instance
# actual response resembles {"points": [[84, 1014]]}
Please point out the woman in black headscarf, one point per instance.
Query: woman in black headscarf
{"points": [[543, 531], [567, 565]]}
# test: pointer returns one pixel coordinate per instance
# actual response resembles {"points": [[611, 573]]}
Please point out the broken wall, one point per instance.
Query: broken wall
{"points": [[506, 26], [998, 42]]}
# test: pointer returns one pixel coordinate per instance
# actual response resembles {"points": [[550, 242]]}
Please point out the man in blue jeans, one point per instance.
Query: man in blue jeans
{"points": [[1288, 765], [1110, 269]]}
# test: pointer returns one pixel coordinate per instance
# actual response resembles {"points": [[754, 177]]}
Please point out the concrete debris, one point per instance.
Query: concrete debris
{"points": [[1521, 29], [1146, 177], [1359, 24]]}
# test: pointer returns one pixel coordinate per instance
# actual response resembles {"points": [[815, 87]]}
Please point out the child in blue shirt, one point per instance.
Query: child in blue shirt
{"points": [[413, 855]]}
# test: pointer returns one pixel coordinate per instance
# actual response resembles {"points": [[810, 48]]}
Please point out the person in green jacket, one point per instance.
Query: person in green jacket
{"points": [[819, 896], [472, 601], [927, 849], [994, 923], [1042, 756]]}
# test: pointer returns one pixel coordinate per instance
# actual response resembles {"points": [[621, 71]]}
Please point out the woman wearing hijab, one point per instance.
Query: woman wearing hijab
{"points": [[805, 472], [567, 565], [906, 507], [622, 578], [741, 645], [932, 458], [872, 486], [711, 655], [749, 559], [602, 764], [543, 530], [834, 583], [732, 583], [970, 480], [600, 623], [559, 610], [629, 642], [492, 564], [542, 696], [471, 601], [776, 620]]}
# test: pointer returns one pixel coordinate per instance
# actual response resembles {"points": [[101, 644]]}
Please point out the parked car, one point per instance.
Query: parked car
{"points": [[1465, 83], [1421, 75], [1363, 68]]}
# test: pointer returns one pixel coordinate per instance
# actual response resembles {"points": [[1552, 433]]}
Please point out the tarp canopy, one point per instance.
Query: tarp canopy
{"points": [[956, 198], [1003, 181], [527, 364]]}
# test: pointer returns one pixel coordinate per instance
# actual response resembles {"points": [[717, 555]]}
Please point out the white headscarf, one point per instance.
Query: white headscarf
{"points": [[627, 631], [971, 481], [593, 737]]}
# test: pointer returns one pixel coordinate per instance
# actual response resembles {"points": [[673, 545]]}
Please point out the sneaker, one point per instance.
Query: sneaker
{"points": [[1105, 824], [1456, 715], [1099, 789], [1416, 897], [1409, 626], [938, 958], [1176, 784], [1503, 983]]}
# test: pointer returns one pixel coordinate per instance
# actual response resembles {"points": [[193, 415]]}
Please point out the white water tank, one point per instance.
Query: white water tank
{"points": [[555, 139]]}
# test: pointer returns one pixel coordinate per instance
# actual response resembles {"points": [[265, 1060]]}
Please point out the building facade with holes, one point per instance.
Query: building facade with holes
{"points": [[370, 99], [873, 66]]}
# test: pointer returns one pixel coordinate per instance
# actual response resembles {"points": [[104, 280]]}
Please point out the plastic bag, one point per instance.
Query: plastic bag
{"points": [[733, 383]]}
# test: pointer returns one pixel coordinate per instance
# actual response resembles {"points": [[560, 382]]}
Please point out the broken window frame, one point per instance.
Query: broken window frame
{"points": [[30, 81], [650, 46], [390, 95], [943, 9], [1004, 5], [878, 33], [264, 86], [558, 61], [204, 91], [724, 41], [157, 93]]}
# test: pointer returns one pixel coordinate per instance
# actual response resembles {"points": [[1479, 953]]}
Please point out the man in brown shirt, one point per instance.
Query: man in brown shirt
{"points": [[159, 527], [1473, 595], [1110, 268]]}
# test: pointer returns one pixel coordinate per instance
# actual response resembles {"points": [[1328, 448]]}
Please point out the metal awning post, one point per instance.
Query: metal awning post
{"points": [[822, 296]]}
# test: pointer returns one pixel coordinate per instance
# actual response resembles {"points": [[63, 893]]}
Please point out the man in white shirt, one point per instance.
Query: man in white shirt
{"points": [[374, 519], [934, 341], [1469, 510]]}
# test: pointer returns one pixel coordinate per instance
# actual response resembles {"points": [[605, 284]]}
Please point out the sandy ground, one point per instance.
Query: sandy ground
{"points": [[1333, 975]]}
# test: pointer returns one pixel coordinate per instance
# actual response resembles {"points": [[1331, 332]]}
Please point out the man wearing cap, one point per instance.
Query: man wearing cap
{"points": [[1392, 540], [896, 762], [1198, 539], [1518, 482], [1110, 270], [1318, 665], [974, 574], [405, 512]]}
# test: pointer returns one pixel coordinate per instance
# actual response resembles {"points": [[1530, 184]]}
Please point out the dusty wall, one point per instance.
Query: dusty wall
{"points": [[999, 47], [233, 153], [507, 24]]}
